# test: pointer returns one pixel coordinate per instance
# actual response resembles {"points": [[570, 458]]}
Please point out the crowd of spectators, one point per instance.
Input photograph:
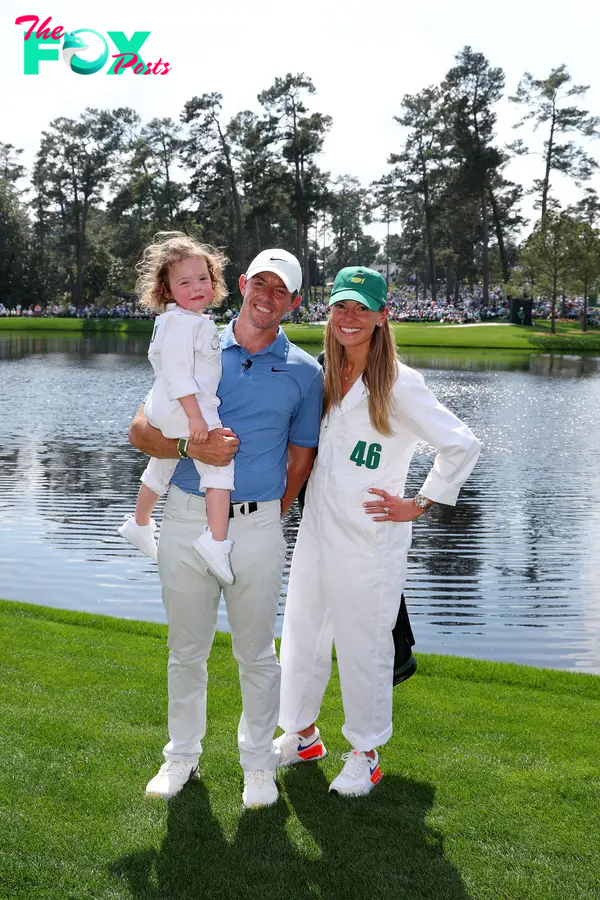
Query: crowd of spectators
{"points": [[123, 309], [404, 306]]}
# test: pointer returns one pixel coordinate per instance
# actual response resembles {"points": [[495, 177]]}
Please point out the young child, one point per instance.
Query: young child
{"points": [[180, 277]]}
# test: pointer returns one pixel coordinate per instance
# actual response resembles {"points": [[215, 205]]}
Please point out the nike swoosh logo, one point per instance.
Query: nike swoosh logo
{"points": [[273, 369]]}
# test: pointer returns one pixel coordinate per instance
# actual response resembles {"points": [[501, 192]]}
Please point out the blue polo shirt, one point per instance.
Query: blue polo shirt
{"points": [[269, 399]]}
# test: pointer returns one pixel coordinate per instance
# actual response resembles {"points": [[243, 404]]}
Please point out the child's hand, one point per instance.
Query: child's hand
{"points": [[198, 430]]}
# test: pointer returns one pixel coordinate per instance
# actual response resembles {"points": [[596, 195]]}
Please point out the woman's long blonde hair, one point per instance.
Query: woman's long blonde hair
{"points": [[379, 375], [170, 247]]}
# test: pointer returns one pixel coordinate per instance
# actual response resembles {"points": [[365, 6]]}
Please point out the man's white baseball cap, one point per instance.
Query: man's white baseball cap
{"points": [[281, 263]]}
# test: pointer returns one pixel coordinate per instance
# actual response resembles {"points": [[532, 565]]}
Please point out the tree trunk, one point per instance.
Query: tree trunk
{"points": [[546, 183], [553, 310], [299, 231], [499, 238], [585, 305], [416, 287], [324, 243], [306, 278], [450, 279], [78, 290], [168, 182], [430, 249], [429, 229], [485, 237], [239, 221], [256, 235], [387, 254]]}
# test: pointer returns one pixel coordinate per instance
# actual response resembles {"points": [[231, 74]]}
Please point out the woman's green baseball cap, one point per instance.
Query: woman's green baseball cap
{"points": [[363, 285]]}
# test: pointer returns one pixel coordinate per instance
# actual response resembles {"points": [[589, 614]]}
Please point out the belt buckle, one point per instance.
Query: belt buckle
{"points": [[245, 508]]}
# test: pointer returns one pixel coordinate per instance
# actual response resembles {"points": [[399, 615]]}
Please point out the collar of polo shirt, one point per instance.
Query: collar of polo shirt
{"points": [[278, 347]]}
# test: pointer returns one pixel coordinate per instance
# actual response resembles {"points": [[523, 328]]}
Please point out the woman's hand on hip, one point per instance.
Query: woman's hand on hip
{"points": [[389, 508]]}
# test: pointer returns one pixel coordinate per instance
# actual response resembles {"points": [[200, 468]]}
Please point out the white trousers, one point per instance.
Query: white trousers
{"points": [[158, 473], [345, 586], [191, 598]]}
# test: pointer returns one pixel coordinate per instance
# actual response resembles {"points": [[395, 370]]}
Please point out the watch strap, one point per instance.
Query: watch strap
{"points": [[182, 445]]}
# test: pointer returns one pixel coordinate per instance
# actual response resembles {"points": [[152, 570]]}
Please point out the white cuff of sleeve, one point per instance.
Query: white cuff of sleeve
{"points": [[182, 389], [437, 490]]}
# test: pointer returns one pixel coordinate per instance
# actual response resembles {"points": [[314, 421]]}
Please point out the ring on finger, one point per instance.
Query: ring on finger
{"points": [[386, 509]]}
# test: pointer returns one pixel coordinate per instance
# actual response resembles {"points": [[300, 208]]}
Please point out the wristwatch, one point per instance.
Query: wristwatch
{"points": [[422, 502], [182, 445]]}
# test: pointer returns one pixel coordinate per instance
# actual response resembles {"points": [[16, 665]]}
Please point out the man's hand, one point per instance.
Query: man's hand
{"points": [[219, 448]]}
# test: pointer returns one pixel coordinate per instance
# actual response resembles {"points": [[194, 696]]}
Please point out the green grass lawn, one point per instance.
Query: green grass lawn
{"points": [[76, 326], [409, 334], [500, 337], [491, 786]]}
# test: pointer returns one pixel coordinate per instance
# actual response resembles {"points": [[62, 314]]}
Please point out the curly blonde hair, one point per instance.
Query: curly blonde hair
{"points": [[168, 247]]}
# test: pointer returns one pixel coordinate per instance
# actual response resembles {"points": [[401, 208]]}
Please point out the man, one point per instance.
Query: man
{"points": [[271, 398]]}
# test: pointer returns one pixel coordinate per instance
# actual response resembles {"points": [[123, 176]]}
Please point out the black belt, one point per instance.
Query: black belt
{"points": [[245, 508]]}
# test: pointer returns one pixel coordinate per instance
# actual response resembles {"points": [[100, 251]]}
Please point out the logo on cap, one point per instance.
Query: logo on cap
{"points": [[357, 280]]}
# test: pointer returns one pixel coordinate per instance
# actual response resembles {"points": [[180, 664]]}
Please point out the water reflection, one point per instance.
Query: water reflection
{"points": [[565, 366], [511, 573], [504, 361], [18, 346]]}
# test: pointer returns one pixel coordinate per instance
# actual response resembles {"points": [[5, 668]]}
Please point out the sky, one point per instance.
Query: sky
{"points": [[362, 57]]}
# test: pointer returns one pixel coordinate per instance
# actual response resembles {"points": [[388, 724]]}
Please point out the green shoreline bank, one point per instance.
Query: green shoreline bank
{"points": [[490, 786], [409, 334]]}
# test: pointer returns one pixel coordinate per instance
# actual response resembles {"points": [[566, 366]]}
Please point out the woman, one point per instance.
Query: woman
{"points": [[349, 565]]}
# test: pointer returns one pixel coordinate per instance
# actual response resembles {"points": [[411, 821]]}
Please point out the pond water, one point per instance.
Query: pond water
{"points": [[512, 573]]}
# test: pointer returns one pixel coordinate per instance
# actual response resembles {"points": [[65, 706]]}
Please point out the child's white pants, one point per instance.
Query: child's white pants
{"points": [[158, 473]]}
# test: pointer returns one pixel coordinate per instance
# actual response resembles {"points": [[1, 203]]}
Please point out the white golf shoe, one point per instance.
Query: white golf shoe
{"points": [[215, 554], [141, 536], [293, 748], [359, 775], [171, 778], [259, 789]]}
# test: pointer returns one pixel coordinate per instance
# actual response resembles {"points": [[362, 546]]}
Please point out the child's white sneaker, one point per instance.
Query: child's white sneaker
{"points": [[141, 536], [215, 554], [359, 775]]}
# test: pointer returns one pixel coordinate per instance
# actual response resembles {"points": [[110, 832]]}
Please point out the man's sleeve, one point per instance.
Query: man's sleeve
{"points": [[306, 423]]}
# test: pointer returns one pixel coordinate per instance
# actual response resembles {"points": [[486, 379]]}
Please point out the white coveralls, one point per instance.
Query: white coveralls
{"points": [[348, 572], [185, 353]]}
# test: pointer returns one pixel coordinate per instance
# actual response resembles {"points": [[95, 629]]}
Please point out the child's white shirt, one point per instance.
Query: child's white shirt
{"points": [[185, 353]]}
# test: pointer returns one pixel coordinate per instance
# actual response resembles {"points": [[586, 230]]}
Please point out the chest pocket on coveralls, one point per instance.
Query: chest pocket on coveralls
{"points": [[362, 462]]}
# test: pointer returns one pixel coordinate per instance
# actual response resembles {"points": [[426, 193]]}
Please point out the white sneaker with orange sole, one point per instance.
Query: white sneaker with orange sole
{"points": [[293, 748], [359, 775]]}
